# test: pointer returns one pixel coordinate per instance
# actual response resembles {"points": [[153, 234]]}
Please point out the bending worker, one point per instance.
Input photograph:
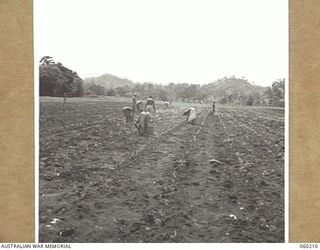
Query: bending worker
{"points": [[128, 114], [139, 106], [191, 115], [143, 122]]}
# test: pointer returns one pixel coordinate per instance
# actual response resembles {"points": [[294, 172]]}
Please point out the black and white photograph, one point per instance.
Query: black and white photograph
{"points": [[161, 121]]}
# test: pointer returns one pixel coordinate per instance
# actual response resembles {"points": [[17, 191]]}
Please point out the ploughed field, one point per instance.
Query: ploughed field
{"points": [[101, 182]]}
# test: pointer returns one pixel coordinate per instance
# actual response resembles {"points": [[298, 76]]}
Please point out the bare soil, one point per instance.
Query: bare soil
{"points": [[101, 182]]}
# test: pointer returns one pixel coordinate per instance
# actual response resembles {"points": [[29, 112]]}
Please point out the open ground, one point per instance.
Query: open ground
{"points": [[101, 182]]}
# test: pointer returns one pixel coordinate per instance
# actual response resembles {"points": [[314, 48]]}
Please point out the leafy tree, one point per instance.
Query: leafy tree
{"points": [[275, 93], [55, 79], [121, 91], [47, 60], [278, 92], [97, 89], [163, 95], [77, 86], [250, 100], [110, 92]]}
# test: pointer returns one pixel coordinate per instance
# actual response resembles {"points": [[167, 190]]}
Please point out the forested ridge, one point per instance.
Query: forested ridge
{"points": [[56, 79]]}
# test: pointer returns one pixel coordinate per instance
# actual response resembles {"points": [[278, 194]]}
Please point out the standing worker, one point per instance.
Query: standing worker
{"points": [[134, 102], [65, 98], [213, 107], [150, 105]]}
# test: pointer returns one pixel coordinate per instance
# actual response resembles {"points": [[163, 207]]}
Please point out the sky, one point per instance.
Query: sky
{"points": [[163, 41]]}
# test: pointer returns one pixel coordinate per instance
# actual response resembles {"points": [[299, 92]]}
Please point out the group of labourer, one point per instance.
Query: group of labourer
{"points": [[143, 120]]}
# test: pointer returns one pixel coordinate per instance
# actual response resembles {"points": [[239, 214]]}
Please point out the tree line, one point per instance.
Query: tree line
{"points": [[224, 91], [180, 91], [276, 93], [56, 79]]}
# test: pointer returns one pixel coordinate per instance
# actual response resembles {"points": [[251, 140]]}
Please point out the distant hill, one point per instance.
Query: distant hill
{"points": [[109, 81], [227, 90], [56, 80], [235, 91]]}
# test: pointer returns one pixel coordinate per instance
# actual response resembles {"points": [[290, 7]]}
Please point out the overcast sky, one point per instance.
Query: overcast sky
{"points": [[162, 41]]}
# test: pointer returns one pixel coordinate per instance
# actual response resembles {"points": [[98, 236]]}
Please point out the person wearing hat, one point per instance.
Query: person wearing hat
{"points": [[139, 106], [142, 122], [127, 112], [150, 105], [134, 102], [191, 115]]}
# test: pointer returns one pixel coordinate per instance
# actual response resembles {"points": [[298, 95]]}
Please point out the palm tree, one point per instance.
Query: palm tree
{"points": [[47, 60]]}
